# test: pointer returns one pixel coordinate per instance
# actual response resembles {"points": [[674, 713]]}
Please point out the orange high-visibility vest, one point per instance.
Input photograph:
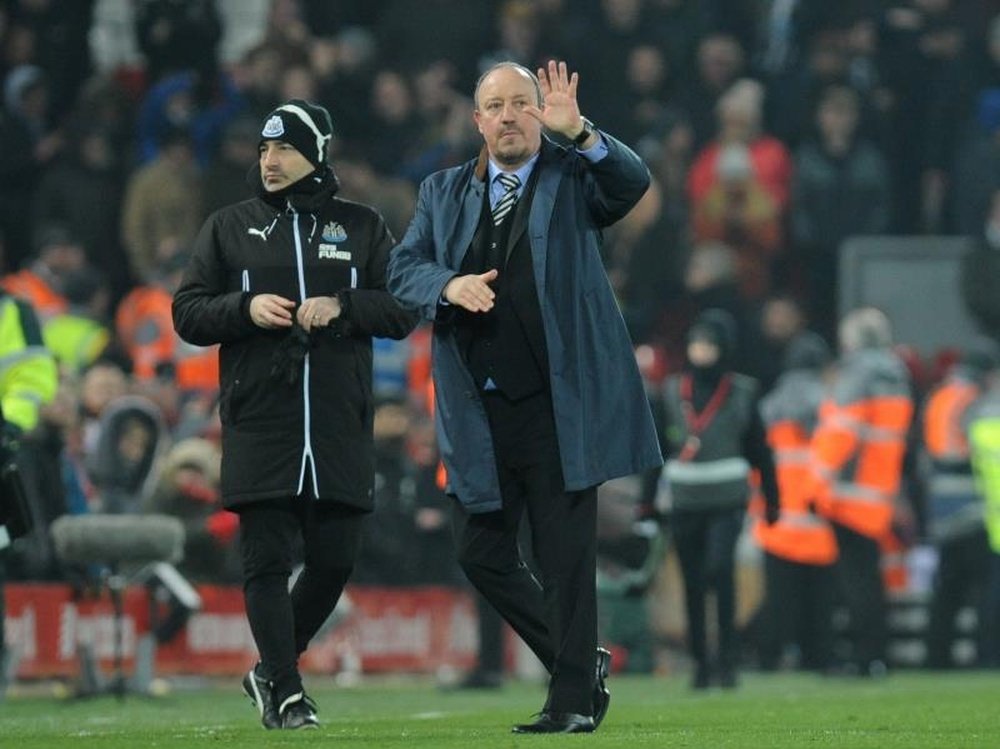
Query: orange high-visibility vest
{"points": [[800, 535], [29, 286], [944, 436], [145, 326], [197, 366], [859, 444]]}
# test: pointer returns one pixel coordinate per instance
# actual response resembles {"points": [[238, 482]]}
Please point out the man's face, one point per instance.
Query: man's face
{"points": [[281, 164], [512, 135]]}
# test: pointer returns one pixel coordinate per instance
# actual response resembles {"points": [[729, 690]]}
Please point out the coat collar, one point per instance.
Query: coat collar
{"points": [[481, 169]]}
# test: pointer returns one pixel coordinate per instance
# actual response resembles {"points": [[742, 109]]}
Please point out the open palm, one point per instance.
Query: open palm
{"points": [[559, 112]]}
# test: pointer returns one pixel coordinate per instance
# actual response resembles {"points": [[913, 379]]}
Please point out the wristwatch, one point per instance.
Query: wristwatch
{"points": [[588, 129]]}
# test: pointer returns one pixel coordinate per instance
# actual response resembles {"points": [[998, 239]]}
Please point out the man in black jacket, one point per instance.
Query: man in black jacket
{"points": [[292, 285]]}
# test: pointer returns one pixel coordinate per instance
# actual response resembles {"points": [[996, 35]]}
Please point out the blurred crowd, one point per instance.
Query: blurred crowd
{"points": [[773, 131]]}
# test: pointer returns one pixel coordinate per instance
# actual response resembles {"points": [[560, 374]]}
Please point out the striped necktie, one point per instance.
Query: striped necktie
{"points": [[510, 183]]}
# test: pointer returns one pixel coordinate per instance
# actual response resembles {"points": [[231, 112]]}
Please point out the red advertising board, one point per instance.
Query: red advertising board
{"points": [[379, 629]]}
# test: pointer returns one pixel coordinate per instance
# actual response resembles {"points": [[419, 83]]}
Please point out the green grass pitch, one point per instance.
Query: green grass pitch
{"points": [[908, 709]]}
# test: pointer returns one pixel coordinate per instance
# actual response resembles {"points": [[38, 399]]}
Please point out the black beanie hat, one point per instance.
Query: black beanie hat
{"points": [[301, 124]]}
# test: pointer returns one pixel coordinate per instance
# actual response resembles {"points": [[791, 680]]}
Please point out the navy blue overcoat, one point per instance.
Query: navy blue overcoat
{"points": [[602, 415]]}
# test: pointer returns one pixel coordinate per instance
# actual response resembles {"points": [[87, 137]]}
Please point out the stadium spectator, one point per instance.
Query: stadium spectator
{"points": [[187, 488], [42, 282], [224, 182], [32, 143], [82, 190], [177, 37], [976, 173], [841, 189], [720, 62], [163, 205], [200, 103], [713, 436], [923, 57], [739, 187]]}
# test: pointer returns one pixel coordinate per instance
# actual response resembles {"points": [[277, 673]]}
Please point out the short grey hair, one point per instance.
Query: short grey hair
{"points": [[507, 64], [864, 328]]}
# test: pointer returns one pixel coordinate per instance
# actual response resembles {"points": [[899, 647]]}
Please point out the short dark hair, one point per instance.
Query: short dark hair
{"points": [[507, 64]]}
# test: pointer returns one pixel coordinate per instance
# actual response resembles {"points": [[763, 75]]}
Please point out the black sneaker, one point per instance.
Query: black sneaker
{"points": [[602, 695], [298, 711], [261, 694]]}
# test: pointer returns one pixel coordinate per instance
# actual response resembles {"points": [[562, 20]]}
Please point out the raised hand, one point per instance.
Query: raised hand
{"points": [[560, 112]]}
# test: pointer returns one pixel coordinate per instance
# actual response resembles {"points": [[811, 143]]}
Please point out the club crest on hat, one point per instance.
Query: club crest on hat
{"points": [[273, 128]]}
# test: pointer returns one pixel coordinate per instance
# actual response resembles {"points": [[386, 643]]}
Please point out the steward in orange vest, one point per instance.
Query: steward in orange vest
{"points": [[800, 548], [858, 450], [955, 507], [57, 254], [145, 326]]}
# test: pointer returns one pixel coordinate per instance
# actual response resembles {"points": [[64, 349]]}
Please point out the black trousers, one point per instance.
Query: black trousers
{"points": [[273, 536], [706, 549], [557, 616], [798, 606], [963, 568], [490, 659], [859, 581]]}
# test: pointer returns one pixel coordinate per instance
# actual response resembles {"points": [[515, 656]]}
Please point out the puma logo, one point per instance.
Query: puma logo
{"points": [[258, 232]]}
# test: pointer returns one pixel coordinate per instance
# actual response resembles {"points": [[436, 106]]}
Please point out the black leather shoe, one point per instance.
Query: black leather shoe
{"points": [[298, 711], [262, 696], [602, 695], [549, 722]]}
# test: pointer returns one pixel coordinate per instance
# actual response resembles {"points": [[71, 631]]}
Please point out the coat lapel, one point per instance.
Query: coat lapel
{"points": [[542, 206]]}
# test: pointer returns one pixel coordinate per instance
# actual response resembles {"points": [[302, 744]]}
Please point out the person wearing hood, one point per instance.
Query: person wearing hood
{"points": [[291, 283], [858, 450], [800, 548], [714, 439]]}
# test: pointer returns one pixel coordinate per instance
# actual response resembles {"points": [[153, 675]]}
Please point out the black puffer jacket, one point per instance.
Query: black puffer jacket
{"points": [[296, 408]]}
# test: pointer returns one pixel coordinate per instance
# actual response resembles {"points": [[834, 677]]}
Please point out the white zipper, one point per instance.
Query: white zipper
{"points": [[307, 452], [246, 280]]}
